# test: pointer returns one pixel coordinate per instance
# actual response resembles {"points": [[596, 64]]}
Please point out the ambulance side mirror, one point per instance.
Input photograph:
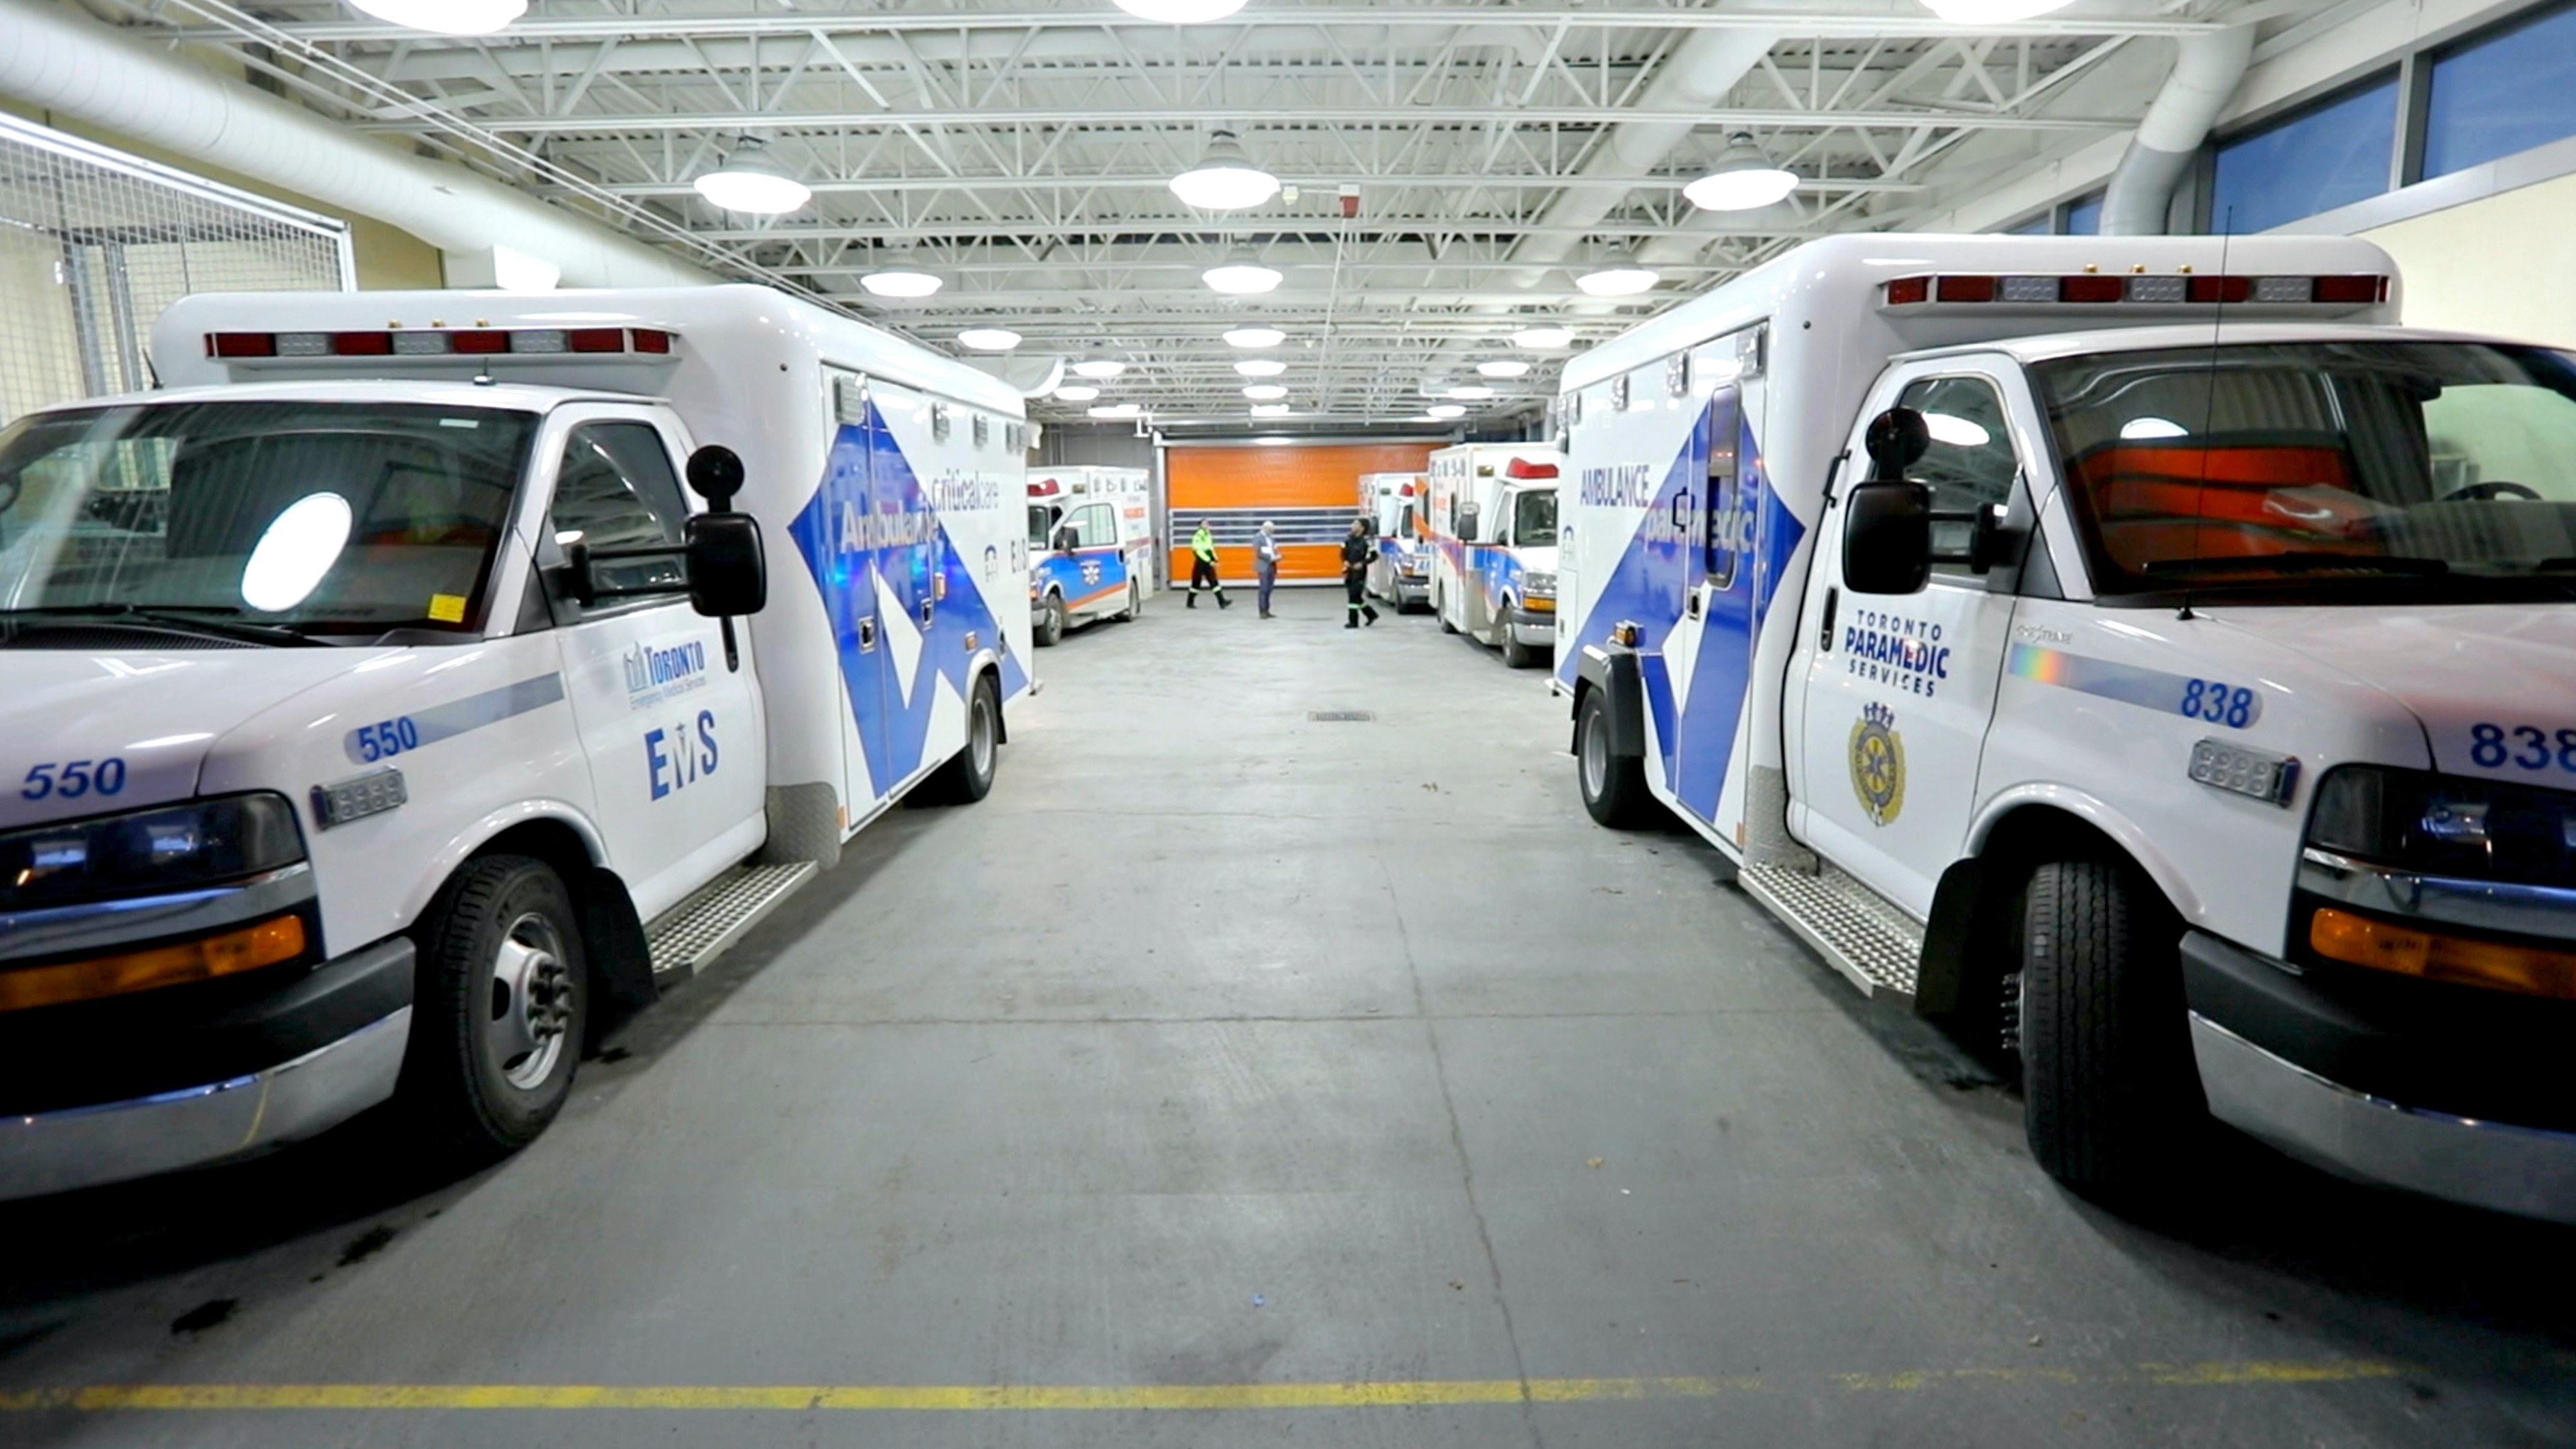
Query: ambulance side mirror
{"points": [[1469, 516], [1887, 520], [728, 570]]}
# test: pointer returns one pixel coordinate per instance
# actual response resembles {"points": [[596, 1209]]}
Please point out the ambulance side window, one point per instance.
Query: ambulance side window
{"points": [[617, 489], [1094, 526], [1970, 461]]}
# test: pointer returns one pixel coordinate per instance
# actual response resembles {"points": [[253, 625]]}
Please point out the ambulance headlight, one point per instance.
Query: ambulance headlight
{"points": [[148, 852], [1538, 585], [2447, 825]]}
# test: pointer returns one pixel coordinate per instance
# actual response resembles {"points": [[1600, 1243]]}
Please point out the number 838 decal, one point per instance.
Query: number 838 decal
{"points": [[2525, 747]]}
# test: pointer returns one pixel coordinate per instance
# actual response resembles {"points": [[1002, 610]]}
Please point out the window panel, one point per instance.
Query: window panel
{"points": [[2327, 155], [1970, 462], [617, 490], [2507, 92], [2084, 215]]}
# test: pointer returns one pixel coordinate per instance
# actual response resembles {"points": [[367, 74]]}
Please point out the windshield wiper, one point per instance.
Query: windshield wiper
{"points": [[2305, 562], [169, 616]]}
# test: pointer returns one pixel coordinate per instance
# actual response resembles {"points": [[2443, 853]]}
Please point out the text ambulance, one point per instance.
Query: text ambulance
{"points": [[1091, 546], [2132, 650], [1493, 531], [377, 713], [1394, 504]]}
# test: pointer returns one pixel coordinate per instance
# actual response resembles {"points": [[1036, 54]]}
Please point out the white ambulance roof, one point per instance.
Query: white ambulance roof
{"points": [[512, 397], [2186, 334]]}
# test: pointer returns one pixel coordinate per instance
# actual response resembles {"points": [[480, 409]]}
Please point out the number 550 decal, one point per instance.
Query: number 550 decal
{"points": [[74, 778]]}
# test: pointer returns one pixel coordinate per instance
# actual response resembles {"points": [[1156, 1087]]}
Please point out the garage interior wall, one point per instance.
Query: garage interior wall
{"points": [[2455, 279], [1310, 490]]}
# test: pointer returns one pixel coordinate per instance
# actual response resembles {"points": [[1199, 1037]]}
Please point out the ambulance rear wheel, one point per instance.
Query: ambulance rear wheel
{"points": [[499, 1004], [1135, 602], [1613, 785], [2111, 1098], [1440, 606], [968, 775], [1050, 625]]}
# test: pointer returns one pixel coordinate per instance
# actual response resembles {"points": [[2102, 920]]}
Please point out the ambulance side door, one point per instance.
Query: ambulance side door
{"points": [[672, 727], [1900, 689]]}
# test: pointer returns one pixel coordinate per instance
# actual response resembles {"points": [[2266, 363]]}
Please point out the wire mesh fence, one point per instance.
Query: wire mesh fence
{"points": [[95, 243]]}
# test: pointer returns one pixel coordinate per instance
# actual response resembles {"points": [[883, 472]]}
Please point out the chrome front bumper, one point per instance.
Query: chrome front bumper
{"points": [[2520, 1170], [78, 1147]]}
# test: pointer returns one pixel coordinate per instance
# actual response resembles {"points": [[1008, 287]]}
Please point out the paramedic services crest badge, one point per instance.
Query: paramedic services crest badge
{"points": [[1878, 764]]}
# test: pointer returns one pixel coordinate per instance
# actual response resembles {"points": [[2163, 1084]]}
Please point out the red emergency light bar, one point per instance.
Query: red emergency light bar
{"points": [[2140, 288], [1524, 468], [1044, 488], [411, 342]]}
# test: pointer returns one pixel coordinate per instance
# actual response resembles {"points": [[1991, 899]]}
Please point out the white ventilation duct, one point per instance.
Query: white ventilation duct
{"points": [[1696, 76], [2206, 71], [62, 61]]}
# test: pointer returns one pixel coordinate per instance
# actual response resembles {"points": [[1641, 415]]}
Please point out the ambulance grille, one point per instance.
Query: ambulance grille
{"points": [[698, 929], [1859, 932]]}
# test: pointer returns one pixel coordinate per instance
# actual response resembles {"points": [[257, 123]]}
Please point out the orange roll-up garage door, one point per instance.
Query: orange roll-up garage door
{"points": [[1311, 491]]}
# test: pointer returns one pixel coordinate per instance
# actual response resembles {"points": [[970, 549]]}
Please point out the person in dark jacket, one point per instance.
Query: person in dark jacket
{"points": [[1357, 553]]}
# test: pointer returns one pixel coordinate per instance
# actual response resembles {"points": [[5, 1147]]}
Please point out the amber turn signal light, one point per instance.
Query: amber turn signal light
{"points": [[2527, 970], [247, 949]]}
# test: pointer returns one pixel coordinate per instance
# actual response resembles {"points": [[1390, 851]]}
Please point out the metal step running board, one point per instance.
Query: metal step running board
{"points": [[697, 930], [1859, 932]]}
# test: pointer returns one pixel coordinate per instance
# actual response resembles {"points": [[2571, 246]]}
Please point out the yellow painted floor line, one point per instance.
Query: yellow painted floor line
{"points": [[944, 1397]]}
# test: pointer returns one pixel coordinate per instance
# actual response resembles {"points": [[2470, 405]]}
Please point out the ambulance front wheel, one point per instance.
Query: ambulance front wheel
{"points": [[1614, 785], [2111, 1098], [499, 1006], [968, 776], [1049, 629], [1516, 655]]}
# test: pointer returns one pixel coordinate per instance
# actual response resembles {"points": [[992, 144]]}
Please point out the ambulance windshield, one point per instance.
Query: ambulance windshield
{"points": [[1534, 520], [1040, 516], [314, 517], [2439, 470]]}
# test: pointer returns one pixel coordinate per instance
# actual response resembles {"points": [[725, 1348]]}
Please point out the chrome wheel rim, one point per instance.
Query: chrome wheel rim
{"points": [[531, 1002], [1596, 758], [980, 735]]}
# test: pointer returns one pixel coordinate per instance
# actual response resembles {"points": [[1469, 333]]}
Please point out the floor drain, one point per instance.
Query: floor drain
{"points": [[1340, 716]]}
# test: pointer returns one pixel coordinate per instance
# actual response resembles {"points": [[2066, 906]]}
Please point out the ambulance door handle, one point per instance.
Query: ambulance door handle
{"points": [[1825, 631], [867, 636], [926, 607], [1697, 593]]}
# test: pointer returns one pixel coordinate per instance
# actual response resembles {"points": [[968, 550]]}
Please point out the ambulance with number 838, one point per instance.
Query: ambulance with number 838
{"points": [[380, 716], [2138, 653]]}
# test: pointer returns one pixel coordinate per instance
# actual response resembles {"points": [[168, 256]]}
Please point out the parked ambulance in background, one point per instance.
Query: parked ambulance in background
{"points": [[377, 713], [2133, 650], [1493, 530], [1091, 545], [1393, 503]]}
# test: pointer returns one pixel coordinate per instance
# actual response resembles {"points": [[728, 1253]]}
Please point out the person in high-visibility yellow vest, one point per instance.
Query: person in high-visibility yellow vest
{"points": [[1203, 568]]}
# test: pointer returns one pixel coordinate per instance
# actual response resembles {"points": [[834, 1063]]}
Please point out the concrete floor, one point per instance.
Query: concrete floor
{"points": [[1224, 1048]]}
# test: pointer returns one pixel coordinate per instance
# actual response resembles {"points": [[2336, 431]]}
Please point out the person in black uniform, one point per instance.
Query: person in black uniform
{"points": [[1357, 554]]}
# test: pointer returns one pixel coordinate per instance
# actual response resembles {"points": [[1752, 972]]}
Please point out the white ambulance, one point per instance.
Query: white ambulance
{"points": [[378, 716], [1091, 546], [1394, 504], [1493, 539], [2134, 650]]}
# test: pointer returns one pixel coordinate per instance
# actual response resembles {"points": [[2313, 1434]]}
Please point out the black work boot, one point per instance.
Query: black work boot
{"points": [[1222, 601], [1192, 600], [1368, 613]]}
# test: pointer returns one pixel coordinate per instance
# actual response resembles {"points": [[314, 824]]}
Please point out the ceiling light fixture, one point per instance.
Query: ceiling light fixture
{"points": [[989, 339], [900, 280], [1099, 367], [1991, 12], [444, 17], [1742, 179], [1265, 392], [1615, 274], [1471, 393], [1243, 274], [1503, 367], [1076, 392], [1260, 367], [1543, 339], [1255, 337], [1445, 411], [1225, 178], [1181, 12], [1270, 410], [749, 181], [1116, 410]]}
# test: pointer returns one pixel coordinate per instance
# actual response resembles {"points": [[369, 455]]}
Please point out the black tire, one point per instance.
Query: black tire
{"points": [[1613, 786], [2112, 1100], [1440, 606], [1135, 603], [1516, 655], [1050, 624], [500, 1003], [968, 775]]}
